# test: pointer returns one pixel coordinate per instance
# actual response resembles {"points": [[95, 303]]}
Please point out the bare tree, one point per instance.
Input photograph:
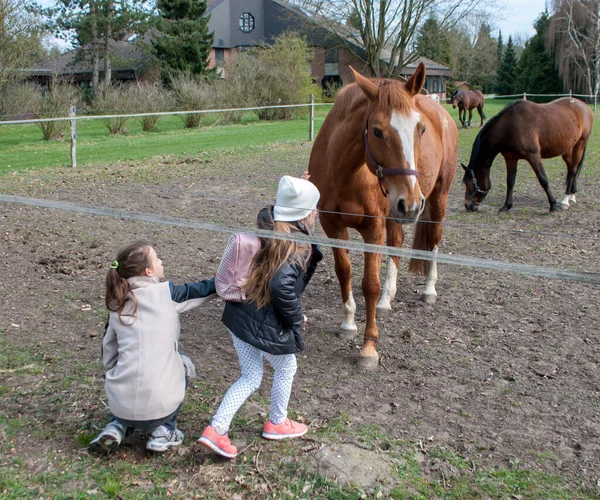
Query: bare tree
{"points": [[574, 35], [385, 29], [20, 37]]}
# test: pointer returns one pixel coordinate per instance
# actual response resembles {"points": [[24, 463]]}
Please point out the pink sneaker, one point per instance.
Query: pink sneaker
{"points": [[219, 444], [285, 430]]}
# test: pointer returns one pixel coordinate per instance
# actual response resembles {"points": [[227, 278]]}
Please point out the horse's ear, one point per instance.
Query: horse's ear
{"points": [[463, 166], [415, 83], [367, 86]]}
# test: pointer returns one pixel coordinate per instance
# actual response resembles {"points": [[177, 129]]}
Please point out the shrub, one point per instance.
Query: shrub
{"points": [[149, 98], [283, 77], [19, 99], [51, 102], [112, 100], [237, 89], [191, 94]]}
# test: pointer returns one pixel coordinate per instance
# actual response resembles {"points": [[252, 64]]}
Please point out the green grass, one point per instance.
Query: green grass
{"points": [[22, 146]]}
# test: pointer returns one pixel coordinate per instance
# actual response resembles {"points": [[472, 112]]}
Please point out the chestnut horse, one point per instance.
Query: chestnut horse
{"points": [[383, 150], [524, 130], [467, 100]]}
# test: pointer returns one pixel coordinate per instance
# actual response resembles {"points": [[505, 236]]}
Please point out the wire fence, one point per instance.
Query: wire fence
{"points": [[432, 256]]}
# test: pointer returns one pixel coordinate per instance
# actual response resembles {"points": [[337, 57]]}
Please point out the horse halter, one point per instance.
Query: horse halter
{"points": [[380, 171], [476, 189]]}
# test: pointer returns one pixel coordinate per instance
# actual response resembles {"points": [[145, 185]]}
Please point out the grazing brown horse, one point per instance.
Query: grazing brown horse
{"points": [[524, 130], [383, 150], [467, 100]]}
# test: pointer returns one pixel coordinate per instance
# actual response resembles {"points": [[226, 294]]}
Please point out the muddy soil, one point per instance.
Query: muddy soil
{"points": [[503, 368]]}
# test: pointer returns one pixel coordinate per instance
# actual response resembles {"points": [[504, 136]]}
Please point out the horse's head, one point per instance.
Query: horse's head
{"points": [[392, 141], [454, 99], [477, 185]]}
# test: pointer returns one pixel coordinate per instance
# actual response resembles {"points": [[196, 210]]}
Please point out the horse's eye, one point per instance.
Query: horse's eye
{"points": [[377, 132]]}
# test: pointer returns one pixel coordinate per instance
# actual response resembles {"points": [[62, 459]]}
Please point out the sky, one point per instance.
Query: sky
{"points": [[520, 16]]}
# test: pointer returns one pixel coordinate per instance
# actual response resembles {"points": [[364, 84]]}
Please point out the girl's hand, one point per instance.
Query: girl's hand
{"points": [[305, 175], [305, 320]]}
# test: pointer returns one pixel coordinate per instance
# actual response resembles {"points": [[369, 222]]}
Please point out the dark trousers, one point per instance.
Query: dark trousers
{"points": [[170, 422]]}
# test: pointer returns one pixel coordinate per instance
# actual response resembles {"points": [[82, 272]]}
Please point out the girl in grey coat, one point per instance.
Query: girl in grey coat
{"points": [[146, 375]]}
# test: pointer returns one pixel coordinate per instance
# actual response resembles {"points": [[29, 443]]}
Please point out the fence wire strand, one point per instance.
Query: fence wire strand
{"points": [[474, 262]]}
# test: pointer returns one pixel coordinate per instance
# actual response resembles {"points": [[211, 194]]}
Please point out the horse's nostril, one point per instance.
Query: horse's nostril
{"points": [[422, 204], [401, 207]]}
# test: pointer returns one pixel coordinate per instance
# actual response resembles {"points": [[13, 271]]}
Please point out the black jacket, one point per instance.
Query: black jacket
{"points": [[275, 328]]}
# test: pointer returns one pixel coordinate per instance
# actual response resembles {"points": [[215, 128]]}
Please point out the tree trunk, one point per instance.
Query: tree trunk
{"points": [[107, 40], [95, 47]]}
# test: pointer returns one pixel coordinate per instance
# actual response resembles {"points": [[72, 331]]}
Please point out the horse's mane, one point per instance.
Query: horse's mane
{"points": [[487, 127], [391, 96]]}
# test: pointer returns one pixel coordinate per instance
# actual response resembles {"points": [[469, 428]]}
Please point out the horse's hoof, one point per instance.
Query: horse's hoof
{"points": [[368, 363], [345, 334], [564, 206], [504, 209], [429, 298], [383, 309], [553, 208]]}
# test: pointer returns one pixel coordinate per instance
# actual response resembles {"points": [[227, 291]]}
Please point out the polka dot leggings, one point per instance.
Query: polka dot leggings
{"points": [[251, 364]]}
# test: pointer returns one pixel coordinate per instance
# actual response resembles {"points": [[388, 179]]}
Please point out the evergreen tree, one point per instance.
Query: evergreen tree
{"points": [[507, 72], [499, 49], [484, 67], [536, 72], [184, 44], [434, 43]]}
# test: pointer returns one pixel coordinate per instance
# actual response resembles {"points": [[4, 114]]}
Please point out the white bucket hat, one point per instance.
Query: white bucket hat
{"points": [[296, 199]]}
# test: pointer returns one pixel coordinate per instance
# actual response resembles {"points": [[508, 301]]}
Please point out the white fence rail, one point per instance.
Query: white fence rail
{"points": [[73, 118]]}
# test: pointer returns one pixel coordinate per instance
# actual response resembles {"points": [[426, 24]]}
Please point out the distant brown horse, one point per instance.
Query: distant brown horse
{"points": [[467, 100], [383, 150], [528, 131]]}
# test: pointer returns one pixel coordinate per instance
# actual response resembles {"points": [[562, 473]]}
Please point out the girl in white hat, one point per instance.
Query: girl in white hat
{"points": [[267, 325]]}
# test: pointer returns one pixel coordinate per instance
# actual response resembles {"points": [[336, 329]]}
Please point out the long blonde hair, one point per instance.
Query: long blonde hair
{"points": [[272, 255]]}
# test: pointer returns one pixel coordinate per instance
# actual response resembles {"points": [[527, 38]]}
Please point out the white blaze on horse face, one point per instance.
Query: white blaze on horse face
{"points": [[389, 289], [349, 310], [405, 126]]}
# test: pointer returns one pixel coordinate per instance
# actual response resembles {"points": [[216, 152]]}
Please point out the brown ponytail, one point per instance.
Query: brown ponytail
{"points": [[131, 261]]}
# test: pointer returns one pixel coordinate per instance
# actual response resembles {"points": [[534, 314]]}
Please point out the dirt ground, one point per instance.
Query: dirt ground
{"points": [[504, 368]]}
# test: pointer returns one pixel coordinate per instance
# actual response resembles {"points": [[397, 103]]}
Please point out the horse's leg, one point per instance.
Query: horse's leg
{"points": [[538, 168], [343, 270], [427, 237], [462, 115], [573, 161], [511, 175], [568, 159], [395, 238], [481, 114], [470, 117], [371, 287]]}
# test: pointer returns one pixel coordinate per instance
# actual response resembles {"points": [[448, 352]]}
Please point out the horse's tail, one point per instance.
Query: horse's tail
{"points": [[426, 234]]}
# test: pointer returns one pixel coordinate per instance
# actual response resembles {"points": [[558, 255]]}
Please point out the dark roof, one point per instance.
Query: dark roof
{"points": [[127, 56], [433, 68]]}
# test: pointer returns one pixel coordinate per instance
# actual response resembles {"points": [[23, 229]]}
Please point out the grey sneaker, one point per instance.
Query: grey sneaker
{"points": [[109, 438], [162, 439]]}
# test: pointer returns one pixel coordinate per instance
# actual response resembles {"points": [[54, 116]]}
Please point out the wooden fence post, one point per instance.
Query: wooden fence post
{"points": [[524, 96], [72, 112], [311, 131]]}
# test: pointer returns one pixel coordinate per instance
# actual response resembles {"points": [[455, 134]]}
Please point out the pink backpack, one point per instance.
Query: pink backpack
{"points": [[234, 268]]}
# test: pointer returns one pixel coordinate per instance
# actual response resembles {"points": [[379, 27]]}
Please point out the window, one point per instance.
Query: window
{"points": [[246, 22], [219, 56], [331, 55]]}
